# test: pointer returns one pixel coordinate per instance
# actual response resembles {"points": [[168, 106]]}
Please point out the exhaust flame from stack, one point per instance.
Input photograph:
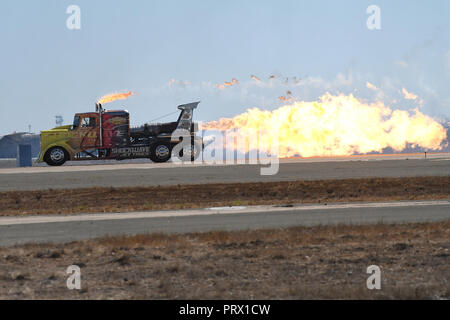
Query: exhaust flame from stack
{"points": [[334, 126], [114, 96]]}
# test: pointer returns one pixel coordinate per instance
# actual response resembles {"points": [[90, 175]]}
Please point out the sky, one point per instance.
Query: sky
{"points": [[173, 52]]}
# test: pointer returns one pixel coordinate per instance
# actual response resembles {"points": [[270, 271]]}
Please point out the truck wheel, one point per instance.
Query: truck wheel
{"points": [[56, 156], [161, 152]]}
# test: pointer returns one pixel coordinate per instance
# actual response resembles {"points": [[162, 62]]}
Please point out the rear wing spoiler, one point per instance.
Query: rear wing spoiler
{"points": [[187, 112]]}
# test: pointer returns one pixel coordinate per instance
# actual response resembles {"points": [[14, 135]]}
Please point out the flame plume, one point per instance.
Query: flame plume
{"points": [[114, 96], [336, 125]]}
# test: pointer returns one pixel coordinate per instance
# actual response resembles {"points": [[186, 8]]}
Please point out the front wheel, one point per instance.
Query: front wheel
{"points": [[161, 152], [56, 156]]}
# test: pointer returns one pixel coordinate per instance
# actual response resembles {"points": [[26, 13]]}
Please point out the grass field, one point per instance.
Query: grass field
{"points": [[197, 196], [327, 262]]}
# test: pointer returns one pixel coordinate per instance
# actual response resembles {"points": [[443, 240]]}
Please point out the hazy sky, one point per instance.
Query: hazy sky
{"points": [[47, 69]]}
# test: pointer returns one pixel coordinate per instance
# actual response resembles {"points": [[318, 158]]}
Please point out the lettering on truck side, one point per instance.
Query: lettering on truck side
{"points": [[131, 151]]}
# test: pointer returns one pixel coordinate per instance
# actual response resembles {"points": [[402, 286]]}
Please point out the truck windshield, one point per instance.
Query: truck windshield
{"points": [[76, 122]]}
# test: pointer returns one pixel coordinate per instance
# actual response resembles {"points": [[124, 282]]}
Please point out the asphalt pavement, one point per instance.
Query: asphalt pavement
{"points": [[151, 174], [38, 229]]}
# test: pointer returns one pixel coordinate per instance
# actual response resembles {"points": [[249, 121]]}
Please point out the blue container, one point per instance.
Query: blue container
{"points": [[24, 155]]}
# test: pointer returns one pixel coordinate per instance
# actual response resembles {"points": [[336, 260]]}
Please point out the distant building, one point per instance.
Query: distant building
{"points": [[9, 143]]}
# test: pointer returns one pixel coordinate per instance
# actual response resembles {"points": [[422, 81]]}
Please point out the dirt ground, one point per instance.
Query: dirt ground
{"points": [[208, 195], [295, 263]]}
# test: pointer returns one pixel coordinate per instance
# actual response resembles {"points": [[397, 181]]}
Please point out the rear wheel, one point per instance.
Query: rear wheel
{"points": [[56, 156], [161, 152]]}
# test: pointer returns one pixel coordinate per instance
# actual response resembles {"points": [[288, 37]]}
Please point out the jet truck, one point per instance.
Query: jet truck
{"points": [[106, 134]]}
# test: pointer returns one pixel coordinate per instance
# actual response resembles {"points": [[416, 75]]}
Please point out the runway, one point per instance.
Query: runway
{"points": [[151, 174], [16, 230]]}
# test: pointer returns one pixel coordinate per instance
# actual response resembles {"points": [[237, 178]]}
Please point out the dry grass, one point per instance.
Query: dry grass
{"points": [[295, 263], [195, 196]]}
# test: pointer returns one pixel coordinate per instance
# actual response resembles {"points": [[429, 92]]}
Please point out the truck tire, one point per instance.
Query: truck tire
{"points": [[56, 156], [161, 152]]}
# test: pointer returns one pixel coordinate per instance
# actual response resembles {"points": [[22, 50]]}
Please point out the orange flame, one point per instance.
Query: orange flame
{"points": [[227, 84], [287, 97], [335, 125], [409, 95], [255, 78], [114, 96], [371, 86]]}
